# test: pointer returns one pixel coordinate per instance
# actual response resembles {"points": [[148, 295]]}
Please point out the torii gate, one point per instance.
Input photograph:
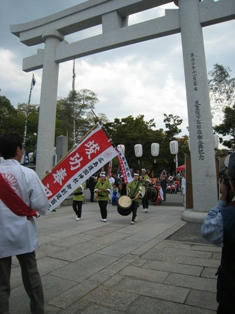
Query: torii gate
{"points": [[188, 18]]}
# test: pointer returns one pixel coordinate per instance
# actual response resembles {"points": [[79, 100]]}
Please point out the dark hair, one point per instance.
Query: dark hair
{"points": [[231, 166], [9, 144]]}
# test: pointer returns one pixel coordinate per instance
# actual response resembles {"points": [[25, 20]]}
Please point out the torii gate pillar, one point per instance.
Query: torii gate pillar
{"points": [[47, 112], [199, 113]]}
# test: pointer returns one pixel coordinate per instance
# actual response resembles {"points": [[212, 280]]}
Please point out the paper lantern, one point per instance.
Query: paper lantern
{"points": [[174, 147], [155, 149], [121, 148], [138, 150]]}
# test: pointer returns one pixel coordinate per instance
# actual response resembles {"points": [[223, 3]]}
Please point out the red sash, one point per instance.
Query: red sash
{"points": [[13, 201]]}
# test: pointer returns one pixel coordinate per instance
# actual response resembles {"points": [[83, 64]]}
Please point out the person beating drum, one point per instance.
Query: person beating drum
{"points": [[145, 180], [134, 190]]}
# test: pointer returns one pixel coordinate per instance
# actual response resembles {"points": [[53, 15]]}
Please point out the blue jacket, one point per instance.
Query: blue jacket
{"points": [[219, 228]]}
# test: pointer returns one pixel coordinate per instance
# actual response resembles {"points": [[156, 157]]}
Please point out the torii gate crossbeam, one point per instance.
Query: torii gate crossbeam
{"points": [[188, 19]]}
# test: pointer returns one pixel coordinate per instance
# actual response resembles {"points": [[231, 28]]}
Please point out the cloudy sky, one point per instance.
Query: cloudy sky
{"points": [[145, 78]]}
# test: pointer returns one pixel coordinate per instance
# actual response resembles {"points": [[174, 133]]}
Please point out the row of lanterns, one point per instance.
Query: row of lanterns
{"points": [[155, 148]]}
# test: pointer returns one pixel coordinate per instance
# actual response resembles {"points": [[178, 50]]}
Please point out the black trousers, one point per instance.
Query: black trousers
{"points": [[103, 208], [92, 194], [31, 280], [222, 309], [145, 201], [77, 207], [134, 207]]}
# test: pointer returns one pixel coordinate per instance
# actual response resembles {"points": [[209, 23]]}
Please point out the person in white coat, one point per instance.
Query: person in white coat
{"points": [[18, 234]]}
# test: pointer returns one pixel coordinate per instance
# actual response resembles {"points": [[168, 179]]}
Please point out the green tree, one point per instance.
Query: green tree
{"points": [[5, 107], [12, 120], [227, 128], [31, 113], [172, 123], [222, 94], [130, 131], [8, 116], [74, 114], [221, 87]]}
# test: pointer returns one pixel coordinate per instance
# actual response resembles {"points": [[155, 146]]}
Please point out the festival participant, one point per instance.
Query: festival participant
{"points": [[183, 185], [134, 190], [102, 190], [219, 228], [115, 195], [145, 180], [111, 182], [91, 182], [160, 195], [122, 186], [163, 183], [22, 196], [78, 198]]}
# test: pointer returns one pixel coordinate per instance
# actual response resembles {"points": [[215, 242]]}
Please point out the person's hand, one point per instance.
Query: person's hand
{"points": [[223, 191], [136, 197]]}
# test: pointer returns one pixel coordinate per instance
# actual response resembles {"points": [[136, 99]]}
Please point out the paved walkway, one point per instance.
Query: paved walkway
{"points": [[92, 267]]}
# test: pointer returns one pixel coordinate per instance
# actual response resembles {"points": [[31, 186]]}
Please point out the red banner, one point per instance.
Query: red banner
{"points": [[124, 167], [109, 174], [86, 159]]}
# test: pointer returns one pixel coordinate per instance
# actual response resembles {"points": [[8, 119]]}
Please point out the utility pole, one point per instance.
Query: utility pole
{"points": [[33, 82], [73, 100]]}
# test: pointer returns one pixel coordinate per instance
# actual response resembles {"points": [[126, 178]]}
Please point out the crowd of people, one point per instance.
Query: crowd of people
{"points": [[23, 198], [109, 189]]}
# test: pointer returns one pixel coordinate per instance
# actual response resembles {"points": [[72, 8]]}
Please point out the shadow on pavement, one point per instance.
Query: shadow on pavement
{"points": [[190, 232]]}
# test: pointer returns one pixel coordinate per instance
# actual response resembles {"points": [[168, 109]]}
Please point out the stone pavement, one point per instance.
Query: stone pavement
{"points": [[92, 267]]}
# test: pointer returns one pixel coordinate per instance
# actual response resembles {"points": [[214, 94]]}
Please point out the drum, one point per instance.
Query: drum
{"points": [[143, 191], [124, 205], [151, 193]]}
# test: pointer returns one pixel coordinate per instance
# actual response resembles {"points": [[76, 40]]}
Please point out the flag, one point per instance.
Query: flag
{"points": [[124, 167], [94, 151], [74, 76], [33, 80]]}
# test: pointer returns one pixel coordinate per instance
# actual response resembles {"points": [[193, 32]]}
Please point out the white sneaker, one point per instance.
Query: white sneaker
{"points": [[77, 218], [132, 222], [145, 210], [104, 220]]}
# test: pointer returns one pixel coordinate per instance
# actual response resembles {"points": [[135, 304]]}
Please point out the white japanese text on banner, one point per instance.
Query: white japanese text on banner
{"points": [[86, 159]]}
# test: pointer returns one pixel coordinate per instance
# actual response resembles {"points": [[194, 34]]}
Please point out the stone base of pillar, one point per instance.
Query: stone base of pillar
{"points": [[191, 215]]}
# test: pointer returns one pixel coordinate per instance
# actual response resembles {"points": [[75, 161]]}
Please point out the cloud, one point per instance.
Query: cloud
{"points": [[10, 71], [129, 86], [125, 86], [219, 44], [13, 81], [145, 78]]}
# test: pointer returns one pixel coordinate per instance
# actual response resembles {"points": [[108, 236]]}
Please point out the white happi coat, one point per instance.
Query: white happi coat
{"points": [[18, 235]]}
